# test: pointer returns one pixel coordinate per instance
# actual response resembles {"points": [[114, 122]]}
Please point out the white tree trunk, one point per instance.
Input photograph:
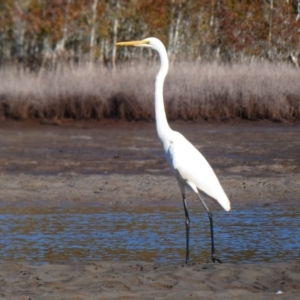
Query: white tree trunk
{"points": [[174, 29], [93, 30], [115, 36]]}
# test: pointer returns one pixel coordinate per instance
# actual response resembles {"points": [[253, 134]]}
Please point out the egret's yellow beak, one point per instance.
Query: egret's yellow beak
{"points": [[133, 43]]}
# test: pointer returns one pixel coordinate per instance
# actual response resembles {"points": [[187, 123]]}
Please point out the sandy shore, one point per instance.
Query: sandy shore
{"points": [[140, 280], [122, 165]]}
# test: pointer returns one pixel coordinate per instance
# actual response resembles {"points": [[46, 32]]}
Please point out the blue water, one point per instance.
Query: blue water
{"points": [[82, 234]]}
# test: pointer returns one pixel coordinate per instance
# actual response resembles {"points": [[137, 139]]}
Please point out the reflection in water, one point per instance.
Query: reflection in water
{"points": [[155, 234]]}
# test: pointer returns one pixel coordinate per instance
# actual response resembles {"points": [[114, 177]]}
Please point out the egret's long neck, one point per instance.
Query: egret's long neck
{"points": [[162, 125]]}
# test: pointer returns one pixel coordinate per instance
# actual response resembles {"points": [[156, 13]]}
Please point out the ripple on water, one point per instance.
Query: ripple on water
{"points": [[154, 234]]}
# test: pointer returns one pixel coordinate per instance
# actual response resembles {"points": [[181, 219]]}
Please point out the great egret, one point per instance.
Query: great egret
{"points": [[187, 164]]}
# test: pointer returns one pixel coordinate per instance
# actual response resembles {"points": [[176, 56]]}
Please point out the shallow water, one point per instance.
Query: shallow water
{"points": [[154, 234]]}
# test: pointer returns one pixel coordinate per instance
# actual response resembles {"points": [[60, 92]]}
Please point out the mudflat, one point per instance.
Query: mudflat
{"points": [[122, 164], [117, 163]]}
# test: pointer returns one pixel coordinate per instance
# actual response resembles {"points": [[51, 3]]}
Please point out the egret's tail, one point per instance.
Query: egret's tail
{"points": [[222, 198], [225, 203]]}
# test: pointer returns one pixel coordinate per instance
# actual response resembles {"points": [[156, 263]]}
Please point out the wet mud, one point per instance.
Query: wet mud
{"points": [[122, 163], [118, 165]]}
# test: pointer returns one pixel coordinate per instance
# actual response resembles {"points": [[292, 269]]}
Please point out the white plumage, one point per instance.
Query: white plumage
{"points": [[190, 168], [187, 164]]}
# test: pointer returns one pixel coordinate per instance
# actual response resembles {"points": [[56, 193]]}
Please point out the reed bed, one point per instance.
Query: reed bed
{"points": [[206, 91]]}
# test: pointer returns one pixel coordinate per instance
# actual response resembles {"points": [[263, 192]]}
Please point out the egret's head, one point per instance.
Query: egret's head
{"points": [[151, 42]]}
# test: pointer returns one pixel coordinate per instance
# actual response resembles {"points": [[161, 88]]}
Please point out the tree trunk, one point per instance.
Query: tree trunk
{"points": [[115, 36], [93, 29]]}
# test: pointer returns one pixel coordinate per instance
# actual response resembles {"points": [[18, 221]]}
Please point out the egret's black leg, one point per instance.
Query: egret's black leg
{"points": [[213, 257], [187, 228]]}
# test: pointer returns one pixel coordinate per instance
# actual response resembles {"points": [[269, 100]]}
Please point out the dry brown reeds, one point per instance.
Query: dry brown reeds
{"points": [[192, 91]]}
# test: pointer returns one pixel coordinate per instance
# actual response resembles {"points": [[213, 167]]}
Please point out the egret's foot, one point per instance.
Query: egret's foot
{"points": [[214, 259], [218, 260]]}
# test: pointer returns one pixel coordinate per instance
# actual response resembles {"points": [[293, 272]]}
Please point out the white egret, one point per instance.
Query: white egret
{"points": [[187, 164]]}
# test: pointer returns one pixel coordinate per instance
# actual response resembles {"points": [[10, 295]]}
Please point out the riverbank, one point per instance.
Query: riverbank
{"points": [[140, 280], [121, 164]]}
